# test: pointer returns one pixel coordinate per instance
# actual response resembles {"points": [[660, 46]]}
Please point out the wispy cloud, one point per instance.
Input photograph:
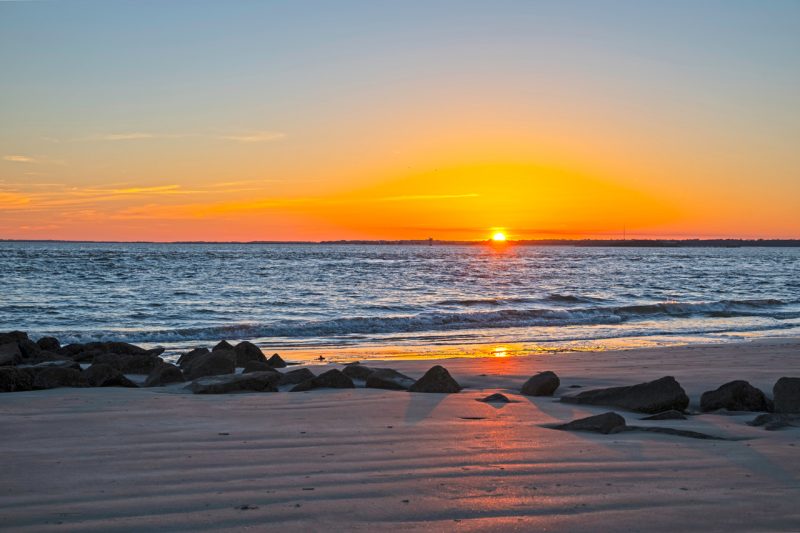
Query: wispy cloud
{"points": [[19, 159], [426, 197], [255, 137]]}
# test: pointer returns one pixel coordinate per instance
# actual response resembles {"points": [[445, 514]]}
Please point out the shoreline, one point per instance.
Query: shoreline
{"points": [[115, 459]]}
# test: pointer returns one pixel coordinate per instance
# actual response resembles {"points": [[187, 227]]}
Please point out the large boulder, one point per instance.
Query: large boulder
{"points": [[54, 376], [13, 336], [61, 363], [222, 345], [436, 379], [164, 374], [247, 352], [786, 395], [88, 351], [10, 353], [735, 396], [188, 357], [254, 382], [605, 424], [293, 377], [129, 364], [775, 421], [357, 371], [51, 344], [102, 375], [13, 379], [652, 397], [29, 349], [542, 384], [257, 366], [214, 363], [276, 361], [386, 378], [332, 379]]}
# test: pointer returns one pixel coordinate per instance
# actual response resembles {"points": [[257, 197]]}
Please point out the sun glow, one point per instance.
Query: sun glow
{"points": [[499, 237]]}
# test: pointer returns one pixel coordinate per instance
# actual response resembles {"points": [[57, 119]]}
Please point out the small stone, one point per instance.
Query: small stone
{"points": [[436, 380], [542, 384]]}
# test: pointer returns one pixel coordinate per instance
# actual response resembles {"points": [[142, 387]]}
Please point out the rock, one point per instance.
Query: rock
{"points": [[775, 421], [61, 363], [129, 364], [386, 378], [44, 356], [186, 358], [606, 423], [734, 396], [293, 377], [276, 361], [54, 376], [666, 415], [542, 384], [247, 352], [13, 379], [663, 394], [254, 382], [87, 352], [164, 374], [10, 354], [50, 344], [332, 379], [222, 345], [29, 349], [255, 366], [676, 432], [436, 379], [102, 375], [495, 398], [357, 371], [786, 395], [211, 364]]}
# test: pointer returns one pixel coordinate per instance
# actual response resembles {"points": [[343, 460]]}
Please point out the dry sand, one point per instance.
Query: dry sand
{"points": [[330, 460]]}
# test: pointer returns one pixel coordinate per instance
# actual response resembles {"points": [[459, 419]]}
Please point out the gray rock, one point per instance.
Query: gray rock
{"points": [[436, 379], [276, 361], [666, 415], [606, 423], [386, 378], [164, 374], [10, 354], [129, 364], [293, 377], [775, 421], [102, 375], [542, 384], [247, 352], [255, 366], [254, 382], [211, 364], [734, 396], [222, 345], [495, 398], [357, 371], [663, 394], [53, 377], [332, 379], [188, 357], [786, 394], [13, 379], [50, 344]]}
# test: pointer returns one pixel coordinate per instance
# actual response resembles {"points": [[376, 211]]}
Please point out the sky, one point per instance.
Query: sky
{"points": [[298, 120]]}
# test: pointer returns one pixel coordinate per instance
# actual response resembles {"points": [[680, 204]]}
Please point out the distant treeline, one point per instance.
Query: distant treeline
{"points": [[630, 243]]}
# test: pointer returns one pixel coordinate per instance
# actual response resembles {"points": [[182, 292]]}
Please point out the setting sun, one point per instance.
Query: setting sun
{"points": [[499, 237]]}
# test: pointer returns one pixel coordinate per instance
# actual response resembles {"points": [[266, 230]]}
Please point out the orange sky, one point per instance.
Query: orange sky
{"points": [[398, 122]]}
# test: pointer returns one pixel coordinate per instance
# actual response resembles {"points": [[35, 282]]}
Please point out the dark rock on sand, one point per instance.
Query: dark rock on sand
{"points": [[102, 375], [30, 350], [495, 398], [164, 374], [129, 364], [386, 378], [254, 382], [606, 423], [542, 384], [13, 336], [663, 394], [257, 366], [13, 379], [87, 352], [437, 379], [247, 352], [222, 345], [786, 394], [50, 344], [775, 421], [676, 432], [357, 371], [188, 357], [53, 376], [10, 353], [61, 363], [276, 361], [332, 379], [735, 396], [666, 415], [293, 377], [211, 364]]}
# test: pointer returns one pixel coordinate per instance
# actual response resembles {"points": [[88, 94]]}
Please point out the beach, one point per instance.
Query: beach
{"points": [[123, 459]]}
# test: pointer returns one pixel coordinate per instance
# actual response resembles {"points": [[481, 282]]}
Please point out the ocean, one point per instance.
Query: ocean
{"points": [[398, 300]]}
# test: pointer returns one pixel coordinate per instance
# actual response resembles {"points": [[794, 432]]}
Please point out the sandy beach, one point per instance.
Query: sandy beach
{"points": [[117, 459]]}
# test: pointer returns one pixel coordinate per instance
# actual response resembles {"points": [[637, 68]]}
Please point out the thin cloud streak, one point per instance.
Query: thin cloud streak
{"points": [[19, 159]]}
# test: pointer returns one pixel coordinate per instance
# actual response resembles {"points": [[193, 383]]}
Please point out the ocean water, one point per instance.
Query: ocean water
{"points": [[324, 297]]}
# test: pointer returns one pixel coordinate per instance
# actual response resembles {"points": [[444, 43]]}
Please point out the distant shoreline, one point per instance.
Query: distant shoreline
{"points": [[616, 243]]}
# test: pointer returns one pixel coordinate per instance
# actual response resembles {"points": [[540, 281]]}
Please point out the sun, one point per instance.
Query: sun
{"points": [[499, 237]]}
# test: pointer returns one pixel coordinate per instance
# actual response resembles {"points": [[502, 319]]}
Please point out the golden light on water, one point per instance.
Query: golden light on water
{"points": [[499, 237]]}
